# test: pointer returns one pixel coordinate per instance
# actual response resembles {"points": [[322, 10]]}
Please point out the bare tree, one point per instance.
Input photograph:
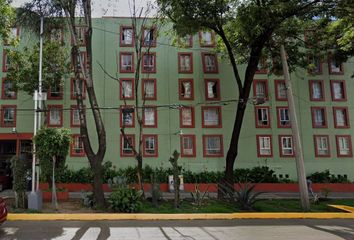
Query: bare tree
{"points": [[85, 68]]}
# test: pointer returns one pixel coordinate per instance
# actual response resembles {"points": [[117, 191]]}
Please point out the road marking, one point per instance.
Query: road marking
{"points": [[270, 233], [130, 233], [68, 233], [91, 233], [9, 230]]}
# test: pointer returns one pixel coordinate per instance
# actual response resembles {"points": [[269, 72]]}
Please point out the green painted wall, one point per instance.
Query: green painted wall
{"points": [[106, 51]]}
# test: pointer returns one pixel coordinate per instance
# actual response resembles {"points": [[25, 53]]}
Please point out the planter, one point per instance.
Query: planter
{"points": [[61, 196], [212, 187]]}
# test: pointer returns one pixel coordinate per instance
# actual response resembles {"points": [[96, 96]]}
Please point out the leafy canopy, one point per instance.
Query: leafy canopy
{"points": [[7, 17], [24, 65], [52, 142]]}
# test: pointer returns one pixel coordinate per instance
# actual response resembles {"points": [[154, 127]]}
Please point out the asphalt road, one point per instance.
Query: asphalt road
{"points": [[269, 229]]}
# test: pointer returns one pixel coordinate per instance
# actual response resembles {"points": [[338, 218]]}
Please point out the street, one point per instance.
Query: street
{"points": [[246, 229]]}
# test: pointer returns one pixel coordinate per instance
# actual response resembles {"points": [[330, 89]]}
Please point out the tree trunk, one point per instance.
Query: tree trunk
{"points": [[54, 190], [98, 194], [95, 158]]}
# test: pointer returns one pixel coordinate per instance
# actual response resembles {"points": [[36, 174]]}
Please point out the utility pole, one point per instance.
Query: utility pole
{"points": [[35, 197], [299, 157]]}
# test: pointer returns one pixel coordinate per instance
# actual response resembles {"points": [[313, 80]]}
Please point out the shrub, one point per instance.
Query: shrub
{"points": [[327, 177], [125, 200]]}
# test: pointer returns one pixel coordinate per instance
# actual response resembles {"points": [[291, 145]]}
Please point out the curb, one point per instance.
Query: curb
{"points": [[142, 216]]}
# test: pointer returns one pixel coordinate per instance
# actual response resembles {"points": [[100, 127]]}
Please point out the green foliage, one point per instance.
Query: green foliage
{"points": [[24, 65], [19, 183], [198, 196], [243, 196], [327, 177], [52, 142], [125, 199], [7, 17]]}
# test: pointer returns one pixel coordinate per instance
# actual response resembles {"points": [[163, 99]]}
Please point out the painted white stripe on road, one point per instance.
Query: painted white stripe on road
{"points": [[270, 233], [129, 233], [68, 233], [9, 230], [91, 234]]}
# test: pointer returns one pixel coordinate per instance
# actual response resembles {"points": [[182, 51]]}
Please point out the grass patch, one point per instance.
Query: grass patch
{"points": [[293, 205], [264, 205]]}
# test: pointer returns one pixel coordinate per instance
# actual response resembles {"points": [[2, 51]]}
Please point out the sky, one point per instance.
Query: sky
{"points": [[107, 8]]}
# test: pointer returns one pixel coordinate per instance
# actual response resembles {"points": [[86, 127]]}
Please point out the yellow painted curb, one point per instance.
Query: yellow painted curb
{"points": [[344, 208], [142, 216]]}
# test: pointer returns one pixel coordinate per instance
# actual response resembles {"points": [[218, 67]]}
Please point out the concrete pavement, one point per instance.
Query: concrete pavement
{"points": [[180, 230]]}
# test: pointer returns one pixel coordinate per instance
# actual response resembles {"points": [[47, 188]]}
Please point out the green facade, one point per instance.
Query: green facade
{"points": [[106, 49]]}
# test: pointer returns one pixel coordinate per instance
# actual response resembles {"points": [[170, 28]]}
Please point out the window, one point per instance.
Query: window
{"points": [[149, 63], [315, 65], [286, 146], [341, 117], [335, 66], [149, 117], [150, 146], [211, 117], [76, 61], [55, 116], [262, 117], [149, 37], [319, 117], [262, 67], [185, 62], [14, 33], [186, 115], [316, 90], [264, 146], [149, 89], [210, 63], [75, 116], [212, 89], [77, 146], [5, 61], [283, 117], [338, 90], [280, 90], [206, 39], [55, 91], [8, 89], [8, 116], [127, 116], [186, 89], [188, 148], [126, 62], [80, 33], [56, 35], [126, 88], [213, 146], [344, 145], [186, 41], [260, 88], [127, 144], [321, 146], [126, 36], [82, 89]]}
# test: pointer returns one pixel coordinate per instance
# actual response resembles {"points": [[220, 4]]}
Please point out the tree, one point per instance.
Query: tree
{"points": [[7, 16], [248, 31], [54, 10], [85, 68], [52, 148], [24, 64], [142, 45]]}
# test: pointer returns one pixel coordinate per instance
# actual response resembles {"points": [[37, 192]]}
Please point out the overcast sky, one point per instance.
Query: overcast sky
{"points": [[106, 7]]}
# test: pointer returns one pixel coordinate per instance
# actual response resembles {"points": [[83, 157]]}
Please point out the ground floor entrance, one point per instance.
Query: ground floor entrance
{"points": [[12, 145]]}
